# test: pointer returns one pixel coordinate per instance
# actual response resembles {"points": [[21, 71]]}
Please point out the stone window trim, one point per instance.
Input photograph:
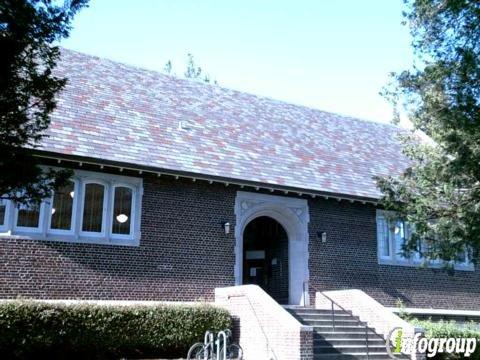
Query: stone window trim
{"points": [[397, 259], [75, 235]]}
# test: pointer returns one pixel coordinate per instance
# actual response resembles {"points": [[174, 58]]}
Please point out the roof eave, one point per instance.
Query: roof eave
{"points": [[59, 157]]}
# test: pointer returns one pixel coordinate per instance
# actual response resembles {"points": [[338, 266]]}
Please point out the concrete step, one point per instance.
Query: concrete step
{"points": [[324, 316], [295, 307], [330, 322], [347, 341], [346, 349], [335, 335], [343, 328], [318, 311]]}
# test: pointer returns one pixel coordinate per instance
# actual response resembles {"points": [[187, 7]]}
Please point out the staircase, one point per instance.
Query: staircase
{"points": [[348, 340]]}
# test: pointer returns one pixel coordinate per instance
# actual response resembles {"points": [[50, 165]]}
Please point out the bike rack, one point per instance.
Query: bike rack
{"points": [[215, 345], [221, 335], [208, 342]]}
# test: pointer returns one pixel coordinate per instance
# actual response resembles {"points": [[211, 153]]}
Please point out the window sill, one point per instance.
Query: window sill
{"points": [[419, 265], [71, 239]]}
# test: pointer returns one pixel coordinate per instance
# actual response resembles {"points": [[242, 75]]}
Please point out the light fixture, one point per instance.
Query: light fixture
{"points": [[322, 235], [53, 211], [226, 227], [122, 218], [72, 194]]}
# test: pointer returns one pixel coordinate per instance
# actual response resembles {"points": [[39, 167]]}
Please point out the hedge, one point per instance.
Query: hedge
{"points": [[58, 331], [449, 329]]}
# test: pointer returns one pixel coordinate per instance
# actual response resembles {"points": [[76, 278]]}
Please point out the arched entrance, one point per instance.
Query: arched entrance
{"points": [[292, 215], [265, 257]]}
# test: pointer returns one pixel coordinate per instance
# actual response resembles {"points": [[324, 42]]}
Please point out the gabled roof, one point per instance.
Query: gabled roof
{"points": [[114, 112]]}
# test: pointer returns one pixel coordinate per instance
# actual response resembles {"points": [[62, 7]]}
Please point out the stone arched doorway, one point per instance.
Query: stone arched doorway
{"points": [[292, 214], [265, 257]]}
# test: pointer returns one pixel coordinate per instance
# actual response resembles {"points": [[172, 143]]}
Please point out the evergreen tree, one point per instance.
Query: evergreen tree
{"points": [[28, 30], [439, 193], [192, 71]]}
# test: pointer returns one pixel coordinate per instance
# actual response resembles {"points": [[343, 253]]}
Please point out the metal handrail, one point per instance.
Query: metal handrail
{"points": [[269, 348], [333, 304]]}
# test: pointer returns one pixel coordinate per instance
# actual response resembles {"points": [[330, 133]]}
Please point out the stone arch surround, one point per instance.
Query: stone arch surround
{"points": [[293, 215]]}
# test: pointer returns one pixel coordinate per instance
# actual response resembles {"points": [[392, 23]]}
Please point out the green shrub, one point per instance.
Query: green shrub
{"points": [[54, 331], [450, 329]]}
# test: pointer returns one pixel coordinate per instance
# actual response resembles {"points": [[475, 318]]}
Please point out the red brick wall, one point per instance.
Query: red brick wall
{"points": [[349, 260], [184, 254]]}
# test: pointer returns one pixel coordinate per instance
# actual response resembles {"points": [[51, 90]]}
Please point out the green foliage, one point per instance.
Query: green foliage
{"points": [[192, 71], [402, 311], [28, 28], [40, 330], [439, 193], [448, 329]]}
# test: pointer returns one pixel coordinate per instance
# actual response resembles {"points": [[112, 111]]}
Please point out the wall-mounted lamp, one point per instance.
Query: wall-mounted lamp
{"points": [[226, 227], [322, 235]]}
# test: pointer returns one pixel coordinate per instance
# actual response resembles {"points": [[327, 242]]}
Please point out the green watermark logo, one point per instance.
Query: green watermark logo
{"points": [[417, 344]]}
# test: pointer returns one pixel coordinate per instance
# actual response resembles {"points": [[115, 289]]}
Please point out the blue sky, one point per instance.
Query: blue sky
{"points": [[333, 55]]}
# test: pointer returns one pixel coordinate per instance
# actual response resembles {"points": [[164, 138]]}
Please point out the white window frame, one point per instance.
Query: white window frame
{"points": [[6, 221], [26, 229], [76, 234], [100, 234], [76, 192], [415, 259], [132, 215], [382, 223]]}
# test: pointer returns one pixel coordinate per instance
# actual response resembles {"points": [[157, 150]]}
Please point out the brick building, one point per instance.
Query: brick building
{"points": [[181, 187]]}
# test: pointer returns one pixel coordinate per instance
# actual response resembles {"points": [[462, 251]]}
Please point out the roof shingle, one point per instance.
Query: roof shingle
{"points": [[111, 111]]}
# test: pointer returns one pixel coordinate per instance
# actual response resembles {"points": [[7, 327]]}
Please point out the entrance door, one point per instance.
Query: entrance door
{"points": [[265, 257]]}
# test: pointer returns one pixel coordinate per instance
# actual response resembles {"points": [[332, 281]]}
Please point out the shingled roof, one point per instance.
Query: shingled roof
{"points": [[119, 113]]}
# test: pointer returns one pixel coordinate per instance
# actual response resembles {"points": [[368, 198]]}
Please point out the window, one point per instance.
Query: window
{"points": [[462, 258], [3, 210], [392, 233], [3, 214], [29, 217], [62, 210], [401, 234], [122, 210], [93, 207], [384, 238]]}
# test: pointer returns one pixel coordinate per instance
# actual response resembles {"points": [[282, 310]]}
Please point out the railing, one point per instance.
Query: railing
{"points": [[333, 304], [269, 348]]}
